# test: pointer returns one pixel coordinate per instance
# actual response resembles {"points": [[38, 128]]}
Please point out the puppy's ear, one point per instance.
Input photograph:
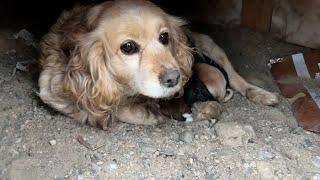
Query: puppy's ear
{"points": [[90, 79], [180, 46]]}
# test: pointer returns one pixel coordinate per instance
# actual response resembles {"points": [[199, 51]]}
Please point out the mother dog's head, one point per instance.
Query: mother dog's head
{"points": [[135, 48]]}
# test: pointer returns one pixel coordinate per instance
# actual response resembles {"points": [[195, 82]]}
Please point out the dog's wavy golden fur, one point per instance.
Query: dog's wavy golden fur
{"points": [[113, 60]]}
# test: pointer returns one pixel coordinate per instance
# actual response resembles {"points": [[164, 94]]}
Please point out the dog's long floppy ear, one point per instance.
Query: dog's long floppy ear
{"points": [[180, 45], [90, 79]]}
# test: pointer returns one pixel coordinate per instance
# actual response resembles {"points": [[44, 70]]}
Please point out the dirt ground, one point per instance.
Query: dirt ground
{"points": [[249, 141]]}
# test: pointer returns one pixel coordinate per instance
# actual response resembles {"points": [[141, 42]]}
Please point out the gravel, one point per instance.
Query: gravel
{"points": [[247, 141]]}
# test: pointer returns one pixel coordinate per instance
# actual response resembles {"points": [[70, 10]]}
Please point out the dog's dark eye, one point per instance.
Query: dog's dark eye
{"points": [[164, 38], [129, 47]]}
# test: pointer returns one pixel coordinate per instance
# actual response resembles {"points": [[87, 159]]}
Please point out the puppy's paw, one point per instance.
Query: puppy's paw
{"points": [[262, 96], [153, 119], [206, 110]]}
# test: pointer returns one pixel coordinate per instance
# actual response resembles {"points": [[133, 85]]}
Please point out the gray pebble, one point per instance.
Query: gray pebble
{"points": [[264, 155], [186, 136], [148, 149], [25, 35], [87, 156], [316, 161], [97, 156], [111, 166], [48, 116], [307, 143]]}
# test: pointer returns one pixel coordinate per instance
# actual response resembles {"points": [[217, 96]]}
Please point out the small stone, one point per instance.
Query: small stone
{"points": [[188, 117], [87, 156], [111, 166], [196, 136], [316, 161], [180, 154], [264, 154], [157, 153], [99, 163], [307, 143], [52, 142], [212, 121], [186, 136], [203, 137], [24, 34], [265, 170], [48, 117], [97, 156], [268, 139], [233, 134], [191, 161], [148, 149]]}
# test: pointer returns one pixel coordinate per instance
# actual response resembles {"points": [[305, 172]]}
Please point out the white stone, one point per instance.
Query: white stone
{"points": [[233, 134], [52, 142]]}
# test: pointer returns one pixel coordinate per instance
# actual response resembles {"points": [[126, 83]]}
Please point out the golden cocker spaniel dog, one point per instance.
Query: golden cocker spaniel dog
{"points": [[115, 59]]}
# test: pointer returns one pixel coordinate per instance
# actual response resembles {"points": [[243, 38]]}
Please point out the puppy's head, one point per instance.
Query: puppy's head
{"points": [[143, 48]]}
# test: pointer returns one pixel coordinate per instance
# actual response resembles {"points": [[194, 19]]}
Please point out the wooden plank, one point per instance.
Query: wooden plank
{"points": [[257, 14]]}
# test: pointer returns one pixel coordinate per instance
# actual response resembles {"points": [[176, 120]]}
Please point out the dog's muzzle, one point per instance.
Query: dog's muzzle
{"points": [[169, 78]]}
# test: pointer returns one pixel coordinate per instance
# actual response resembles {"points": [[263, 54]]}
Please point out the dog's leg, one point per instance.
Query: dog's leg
{"points": [[141, 114], [207, 46], [50, 84]]}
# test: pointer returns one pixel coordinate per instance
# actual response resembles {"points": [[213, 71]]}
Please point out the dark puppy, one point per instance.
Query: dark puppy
{"points": [[208, 83]]}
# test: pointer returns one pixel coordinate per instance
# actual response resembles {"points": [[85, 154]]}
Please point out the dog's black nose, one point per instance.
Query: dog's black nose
{"points": [[169, 78]]}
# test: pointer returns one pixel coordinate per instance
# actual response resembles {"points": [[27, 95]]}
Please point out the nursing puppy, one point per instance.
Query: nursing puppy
{"points": [[116, 59], [215, 81], [207, 87]]}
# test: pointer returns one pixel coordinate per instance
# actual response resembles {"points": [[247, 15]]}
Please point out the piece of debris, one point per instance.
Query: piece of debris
{"points": [[265, 155], [148, 149], [296, 97], [188, 117], [296, 76], [186, 136], [26, 36], [233, 134], [11, 52], [99, 163], [52, 142], [83, 142], [25, 66], [110, 166]]}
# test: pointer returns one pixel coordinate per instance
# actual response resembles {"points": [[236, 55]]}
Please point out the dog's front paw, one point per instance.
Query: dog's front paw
{"points": [[153, 119], [262, 96], [100, 122], [206, 110]]}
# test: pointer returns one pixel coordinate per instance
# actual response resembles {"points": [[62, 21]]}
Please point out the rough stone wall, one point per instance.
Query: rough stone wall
{"points": [[297, 21]]}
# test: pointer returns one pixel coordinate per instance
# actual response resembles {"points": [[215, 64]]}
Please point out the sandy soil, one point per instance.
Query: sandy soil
{"points": [[249, 141]]}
